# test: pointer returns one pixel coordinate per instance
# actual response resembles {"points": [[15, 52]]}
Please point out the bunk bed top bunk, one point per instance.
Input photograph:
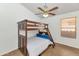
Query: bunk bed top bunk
{"points": [[33, 45]]}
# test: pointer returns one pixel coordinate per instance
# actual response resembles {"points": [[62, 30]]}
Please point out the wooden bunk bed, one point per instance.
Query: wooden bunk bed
{"points": [[26, 25]]}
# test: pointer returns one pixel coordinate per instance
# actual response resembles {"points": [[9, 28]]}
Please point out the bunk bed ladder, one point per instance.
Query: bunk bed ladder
{"points": [[51, 39]]}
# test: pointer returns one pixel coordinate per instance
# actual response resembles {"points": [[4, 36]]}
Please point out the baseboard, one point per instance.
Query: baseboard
{"points": [[66, 45], [3, 53]]}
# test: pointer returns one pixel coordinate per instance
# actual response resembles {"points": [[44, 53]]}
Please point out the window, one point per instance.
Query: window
{"points": [[68, 27]]}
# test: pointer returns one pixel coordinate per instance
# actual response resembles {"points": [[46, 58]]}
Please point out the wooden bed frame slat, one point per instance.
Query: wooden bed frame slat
{"points": [[32, 25], [32, 29]]}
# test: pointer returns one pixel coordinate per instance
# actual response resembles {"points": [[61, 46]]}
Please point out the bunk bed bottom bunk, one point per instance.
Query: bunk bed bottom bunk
{"points": [[36, 45]]}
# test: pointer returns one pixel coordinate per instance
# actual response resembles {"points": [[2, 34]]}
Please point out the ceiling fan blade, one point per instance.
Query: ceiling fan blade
{"points": [[53, 9], [51, 13], [41, 9]]}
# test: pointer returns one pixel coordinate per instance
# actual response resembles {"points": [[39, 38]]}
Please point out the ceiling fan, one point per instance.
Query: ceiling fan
{"points": [[45, 12]]}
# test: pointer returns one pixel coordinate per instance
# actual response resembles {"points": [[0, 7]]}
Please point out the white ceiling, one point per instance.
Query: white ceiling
{"points": [[63, 7]]}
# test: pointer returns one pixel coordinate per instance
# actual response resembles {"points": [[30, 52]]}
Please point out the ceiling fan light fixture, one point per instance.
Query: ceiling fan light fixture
{"points": [[45, 15]]}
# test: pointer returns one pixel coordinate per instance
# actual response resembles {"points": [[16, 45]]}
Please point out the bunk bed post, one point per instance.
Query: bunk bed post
{"points": [[25, 40], [25, 43], [18, 36]]}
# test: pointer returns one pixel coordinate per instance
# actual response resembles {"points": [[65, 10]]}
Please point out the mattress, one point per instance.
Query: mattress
{"points": [[36, 45]]}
